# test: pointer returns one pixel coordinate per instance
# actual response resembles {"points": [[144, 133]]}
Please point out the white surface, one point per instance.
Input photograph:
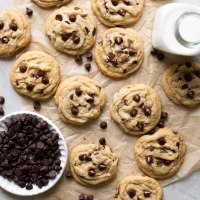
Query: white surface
{"points": [[10, 186], [187, 189]]}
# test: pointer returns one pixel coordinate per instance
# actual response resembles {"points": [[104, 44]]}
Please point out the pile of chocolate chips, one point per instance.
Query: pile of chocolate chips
{"points": [[79, 60], [29, 151]]}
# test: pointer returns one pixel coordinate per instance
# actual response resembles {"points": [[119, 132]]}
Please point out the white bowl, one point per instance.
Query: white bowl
{"points": [[13, 188]]}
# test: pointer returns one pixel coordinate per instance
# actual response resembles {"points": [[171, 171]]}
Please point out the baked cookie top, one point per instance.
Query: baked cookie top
{"points": [[181, 83], [93, 164], [71, 29], [79, 99], [50, 3], [118, 12], [35, 74], [160, 155], [136, 109], [15, 32], [138, 187], [120, 53]]}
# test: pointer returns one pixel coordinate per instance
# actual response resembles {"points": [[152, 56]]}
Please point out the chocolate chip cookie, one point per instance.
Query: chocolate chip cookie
{"points": [[118, 12], [36, 75], [71, 30], [160, 155], [181, 83], [93, 164], [50, 3], [15, 32], [120, 53], [136, 109], [79, 100], [138, 187]]}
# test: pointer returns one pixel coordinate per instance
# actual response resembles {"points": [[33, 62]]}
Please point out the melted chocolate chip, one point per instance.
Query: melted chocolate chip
{"points": [[91, 172], [22, 68], [147, 111], [147, 193], [122, 12], [140, 126], [131, 193], [5, 40], [136, 98], [76, 39], [191, 94], [128, 3], [102, 167], [133, 113], [72, 18], [78, 92], [103, 125], [118, 40], [82, 157], [149, 159], [161, 141], [29, 12], [65, 36], [59, 17], [102, 141], [45, 80], [13, 26], [115, 2], [74, 111], [1, 24], [188, 77], [30, 87], [132, 52]]}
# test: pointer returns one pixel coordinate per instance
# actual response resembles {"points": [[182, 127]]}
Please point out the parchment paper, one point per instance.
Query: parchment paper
{"points": [[180, 119]]}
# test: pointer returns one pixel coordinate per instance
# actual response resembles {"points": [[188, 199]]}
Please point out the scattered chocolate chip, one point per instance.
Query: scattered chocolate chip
{"points": [[87, 66], [69, 174], [133, 113], [78, 59], [147, 193], [188, 64], [91, 172], [13, 26], [102, 141], [22, 68], [131, 193], [30, 87], [122, 12], [74, 111], [76, 39], [103, 125], [160, 56], [1, 24], [29, 12], [140, 126], [191, 94], [164, 115], [136, 98], [115, 2], [161, 123], [45, 80], [72, 18], [89, 56], [5, 39], [78, 92], [37, 105], [149, 159], [154, 52], [118, 40], [147, 111], [1, 111], [59, 17], [2, 100], [102, 167]]}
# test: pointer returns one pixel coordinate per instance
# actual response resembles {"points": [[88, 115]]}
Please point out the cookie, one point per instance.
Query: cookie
{"points": [[120, 53], [71, 30], [36, 75], [50, 3], [79, 100], [138, 187], [160, 155], [15, 32], [136, 109], [118, 12], [181, 83], [93, 164]]}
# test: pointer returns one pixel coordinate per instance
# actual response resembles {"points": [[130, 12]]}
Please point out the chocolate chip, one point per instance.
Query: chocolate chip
{"points": [[151, 132], [2, 100], [78, 92], [69, 174], [188, 64], [115, 2], [103, 125], [149, 159], [29, 12], [36, 105], [59, 17], [74, 111], [160, 56], [52, 173], [167, 162], [40, 145], [132, 52], [164, 115], [191, 94], [136, 98], [87, 66], [197, 73], [76, 39], [188, 77], [87, 30], [147, 111], [154, 52], [91, 100], [161, 123], [102, 141], [82, 197], [102, 167], [128, 3], [160, 161], [140, 126], [30, 87], [122, 12], [78, 59], [178, 144], [65, 36], [87, 158], [22, 68], [1, 24], [111, 56], [5, 39], [13, 26], [82, 157], [147, 193], [131, 193], [45, 80], [90, 197], [91, 172], [72, 18], [118, 40], [29, 186], [94, 32], [89, 56], [161, 141], [133, 113]]}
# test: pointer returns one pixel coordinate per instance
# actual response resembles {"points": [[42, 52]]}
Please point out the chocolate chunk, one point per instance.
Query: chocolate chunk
{"points": [[133, 113], [103, 125], [78, 59], [147, 193], [191, 94], [45, 80], [76, 39], [29, 12], [74, 111], [161, 141], [59, 17], [87, 66], [149, 159], [69, 174], [78, 92], [30, 87], [65, 36], [160, 56], [2, 100], [188, 64], [140, 126], [132, 52], [37, 105], [102, 167], [91, 172], [111, 56], [72, 18], [154, 52], [147, 111], [115, 2], [13, 26], [22, 68], [164, 115], [89, 56], [102, 141], [5, 39], [188, 77], [1, 24], [118, 40], [136, 98], [122, 12], [131, 193]]}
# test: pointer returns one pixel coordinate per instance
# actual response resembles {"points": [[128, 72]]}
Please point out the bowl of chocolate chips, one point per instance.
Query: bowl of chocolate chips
{"points": [[33, 153]]}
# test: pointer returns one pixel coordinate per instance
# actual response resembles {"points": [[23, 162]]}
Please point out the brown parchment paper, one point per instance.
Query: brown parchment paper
{"points": [[181, 119]]}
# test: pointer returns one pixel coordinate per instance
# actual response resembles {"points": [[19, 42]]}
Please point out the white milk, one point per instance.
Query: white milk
{"points": [[177, 29]]}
